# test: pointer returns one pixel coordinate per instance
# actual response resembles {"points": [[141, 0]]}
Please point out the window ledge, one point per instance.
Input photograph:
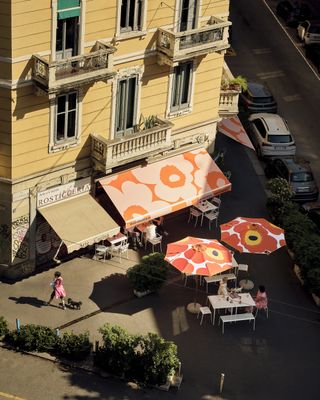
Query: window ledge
{"points": [[129, 35], [55, 148], [173, 114]]}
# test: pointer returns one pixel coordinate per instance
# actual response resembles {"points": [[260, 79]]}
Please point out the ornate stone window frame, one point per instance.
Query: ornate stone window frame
{"points": [[55, 146], [176, 113], [121, 74]]}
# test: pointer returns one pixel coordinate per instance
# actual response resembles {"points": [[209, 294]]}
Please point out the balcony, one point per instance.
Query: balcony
{"points": [[145, 143], [229, 94], [174, 47], [53, 77]]}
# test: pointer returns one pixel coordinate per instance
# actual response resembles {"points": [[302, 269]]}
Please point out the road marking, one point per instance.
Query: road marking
{"points": [[261, 51], [10, 396], [292, 41], [271, 74], [293, 97]]}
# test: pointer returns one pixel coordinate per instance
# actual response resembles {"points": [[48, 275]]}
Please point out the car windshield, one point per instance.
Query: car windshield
{"points": [[314, 29], [301, 177], [279, 138], [262, 100]]}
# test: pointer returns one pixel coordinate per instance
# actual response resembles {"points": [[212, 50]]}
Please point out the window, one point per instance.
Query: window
{"points": [[66, 117], [181, 86], [188, 15], [131, 15], [67, 38], [260, 127], [67, 35], [126, 107]]}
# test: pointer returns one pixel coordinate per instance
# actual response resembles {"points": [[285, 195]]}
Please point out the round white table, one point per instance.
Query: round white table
{"points": [[246, 284]]}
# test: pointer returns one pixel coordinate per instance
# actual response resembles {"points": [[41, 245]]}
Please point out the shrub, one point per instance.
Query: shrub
{"points": [[280, 189], [296, 226], [148, 359], [157, 359], [33, 338], [312, 280], [3, 327], [118, 352], [150, 274], [74, 347]]}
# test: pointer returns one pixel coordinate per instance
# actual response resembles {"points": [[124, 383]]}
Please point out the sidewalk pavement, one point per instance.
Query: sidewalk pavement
{"points": [[279, 360]]}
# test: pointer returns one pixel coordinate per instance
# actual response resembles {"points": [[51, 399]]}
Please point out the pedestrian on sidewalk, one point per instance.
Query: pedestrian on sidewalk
{"points": [[58, 289]]}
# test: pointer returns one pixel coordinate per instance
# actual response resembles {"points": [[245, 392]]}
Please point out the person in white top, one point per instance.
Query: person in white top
{"points": [[150, 231], [223, 288]]}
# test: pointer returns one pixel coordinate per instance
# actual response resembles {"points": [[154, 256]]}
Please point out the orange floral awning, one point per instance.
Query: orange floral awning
{"points": [[232, 127], [198, 256], [145, 193], [252, 235]]}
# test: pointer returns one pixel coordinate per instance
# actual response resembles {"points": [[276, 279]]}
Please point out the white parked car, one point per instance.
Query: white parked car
{"points": [[309, 31], [271, 136]]}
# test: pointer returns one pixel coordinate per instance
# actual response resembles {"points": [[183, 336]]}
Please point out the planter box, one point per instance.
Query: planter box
{"points": [[297, 271]]}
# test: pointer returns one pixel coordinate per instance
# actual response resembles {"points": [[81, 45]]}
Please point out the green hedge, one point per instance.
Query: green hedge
{"points": [[73, 347], [300, 233], [43, 339], [147, 359], [33, 338], [3, 327]]}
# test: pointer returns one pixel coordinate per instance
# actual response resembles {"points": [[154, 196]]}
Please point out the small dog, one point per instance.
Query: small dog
{"points": [[76, 305]]}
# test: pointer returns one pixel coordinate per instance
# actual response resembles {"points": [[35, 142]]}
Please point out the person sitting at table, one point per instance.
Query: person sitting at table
{"points": [[159, 225], [150, 231], [261, 298], [223, 287]]}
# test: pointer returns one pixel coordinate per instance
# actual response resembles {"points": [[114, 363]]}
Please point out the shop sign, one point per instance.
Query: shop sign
{"points": [[63, 192]]}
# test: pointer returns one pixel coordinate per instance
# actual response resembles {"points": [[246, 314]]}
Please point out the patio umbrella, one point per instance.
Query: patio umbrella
{"points": [[196, 256], [252, 235]]}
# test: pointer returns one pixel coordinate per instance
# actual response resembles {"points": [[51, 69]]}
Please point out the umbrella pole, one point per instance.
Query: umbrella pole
{"points": [[194, 307]]}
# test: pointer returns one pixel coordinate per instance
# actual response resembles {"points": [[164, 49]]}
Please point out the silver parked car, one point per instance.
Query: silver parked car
{"points": [[271, 136]]}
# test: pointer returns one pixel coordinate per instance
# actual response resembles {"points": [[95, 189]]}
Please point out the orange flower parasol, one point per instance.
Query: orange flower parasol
{"points": [[198, 256], [252, 235]]}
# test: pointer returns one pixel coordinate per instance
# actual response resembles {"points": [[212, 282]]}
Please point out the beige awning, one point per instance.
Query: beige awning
{"points": [[79, 222]]}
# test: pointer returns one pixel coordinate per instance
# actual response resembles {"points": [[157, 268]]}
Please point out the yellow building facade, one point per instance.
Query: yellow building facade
{"points": [[90, 87]]}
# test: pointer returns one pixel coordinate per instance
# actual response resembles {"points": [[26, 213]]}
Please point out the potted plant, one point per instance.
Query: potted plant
{"points": [[238, 83], [149, 275]]}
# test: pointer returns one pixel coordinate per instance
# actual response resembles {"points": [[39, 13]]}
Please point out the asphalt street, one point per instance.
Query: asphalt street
{"points": [[265, 53]]}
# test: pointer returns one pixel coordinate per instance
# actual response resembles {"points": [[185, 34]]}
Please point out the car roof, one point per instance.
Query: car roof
{"points": [[275, 124], [296, 165], [256, 89]]}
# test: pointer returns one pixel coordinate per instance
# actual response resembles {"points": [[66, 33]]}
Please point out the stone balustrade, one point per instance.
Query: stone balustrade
{"points": [[139, 145]]}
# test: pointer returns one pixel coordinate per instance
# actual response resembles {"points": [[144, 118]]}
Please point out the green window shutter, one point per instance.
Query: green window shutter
{"points": [[63, 4], [68, 9]]}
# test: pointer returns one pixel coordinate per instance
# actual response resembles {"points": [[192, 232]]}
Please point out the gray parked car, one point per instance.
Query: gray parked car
{"points": [[299, 175], [257, 99]]}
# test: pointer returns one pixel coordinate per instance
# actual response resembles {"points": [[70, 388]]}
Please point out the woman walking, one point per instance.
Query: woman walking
{"points": [[58, 289]]}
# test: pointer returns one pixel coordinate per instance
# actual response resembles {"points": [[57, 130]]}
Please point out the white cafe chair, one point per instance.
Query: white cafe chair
{"points": [[194, 213], [100, 251], [154, 241], [212, 216]]}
